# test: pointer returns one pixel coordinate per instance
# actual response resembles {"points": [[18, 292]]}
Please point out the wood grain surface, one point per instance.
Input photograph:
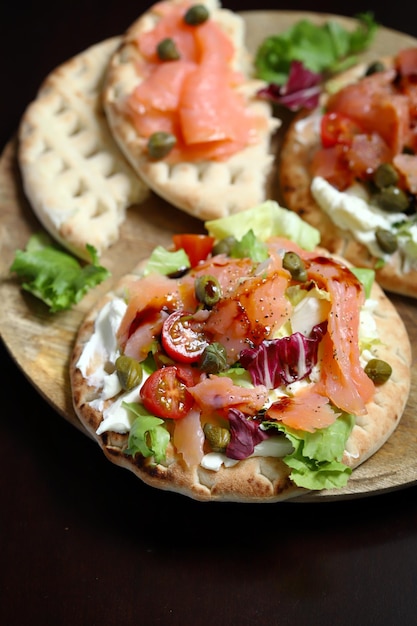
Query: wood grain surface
{"points": [[41, 343]]}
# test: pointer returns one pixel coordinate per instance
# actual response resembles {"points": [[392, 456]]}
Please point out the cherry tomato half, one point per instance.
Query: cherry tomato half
{"points": [[183, 337], [197, 247], [164, 393], [337, 129]]}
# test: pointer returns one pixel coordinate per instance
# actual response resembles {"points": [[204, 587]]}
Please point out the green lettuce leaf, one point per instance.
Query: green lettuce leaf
{"points": [[163, 261], [250, 247], [327, 47], [239, 375], [366, 276], [148, 435], [316, 460], [265, 220], [55, 276]]}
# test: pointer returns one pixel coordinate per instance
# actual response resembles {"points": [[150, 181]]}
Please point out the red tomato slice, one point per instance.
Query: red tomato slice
{"points": [[331, 164], [183, 337], [164, 393], [337, 129], [197, 247]]}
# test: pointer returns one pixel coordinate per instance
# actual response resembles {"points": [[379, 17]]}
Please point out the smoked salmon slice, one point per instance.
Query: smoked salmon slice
{"points": [[188, 437], [171, 25], [374, 104], [151, 294], [343, 378], [257, 309], [307, 410], [163, 88], [196, 97], [218, 393]]}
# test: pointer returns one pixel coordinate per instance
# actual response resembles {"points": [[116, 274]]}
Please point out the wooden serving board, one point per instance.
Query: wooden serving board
{"points": [[41, 343]]}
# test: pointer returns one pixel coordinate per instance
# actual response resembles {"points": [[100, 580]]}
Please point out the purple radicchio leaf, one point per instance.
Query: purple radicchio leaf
{"points": [[302, 89], [245, 434], [283, 361]]}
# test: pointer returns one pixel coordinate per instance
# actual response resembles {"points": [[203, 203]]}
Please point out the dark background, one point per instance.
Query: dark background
{"points": [[84, 543]]}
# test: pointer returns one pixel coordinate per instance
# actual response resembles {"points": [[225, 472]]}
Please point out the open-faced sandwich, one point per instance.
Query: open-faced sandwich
{"points": [[77, 181], [349, 168], [183, 106], [241, 365]]}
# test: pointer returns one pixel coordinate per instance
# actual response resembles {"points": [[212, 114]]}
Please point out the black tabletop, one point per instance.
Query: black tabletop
{"points": [[83, 542]]}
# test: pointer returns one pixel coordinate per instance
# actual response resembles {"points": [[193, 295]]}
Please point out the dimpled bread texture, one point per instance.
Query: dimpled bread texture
{"points": [[75, 177]]}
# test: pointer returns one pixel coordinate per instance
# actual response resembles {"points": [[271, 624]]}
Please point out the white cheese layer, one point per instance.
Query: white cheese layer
{"points": [[309, 312], [102, 348], [117, 418], [351, 210]]}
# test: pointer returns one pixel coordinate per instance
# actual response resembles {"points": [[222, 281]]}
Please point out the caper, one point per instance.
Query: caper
{"points": [[378, 371], [375, 67], [207, 290], [160, 144], [392, 199], [294, 264], [197, 14], [217, 437], [214, 358], [386, 240], [224, 246], [167, 50], [129, 372], [385, 175]]}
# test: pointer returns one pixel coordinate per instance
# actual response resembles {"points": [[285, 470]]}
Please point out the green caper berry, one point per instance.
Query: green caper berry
{"points": [[197, 14], [129, 372], [207, 290], [378, 371], [214, 359], [224, 246], [392, 199], [295, 266], [167, 50], [217, 437], [386, 240], [385, 175], [160, 144], [375, 67]]}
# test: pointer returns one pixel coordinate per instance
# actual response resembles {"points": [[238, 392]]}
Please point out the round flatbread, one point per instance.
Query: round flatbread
{"points": [[76, 179], [262, 478], [206, 188], [299, 145]]}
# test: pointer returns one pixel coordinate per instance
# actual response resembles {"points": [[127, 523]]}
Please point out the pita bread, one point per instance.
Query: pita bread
{"points": [[299, 144], [204, 189], [74, 176], [254, 479]]}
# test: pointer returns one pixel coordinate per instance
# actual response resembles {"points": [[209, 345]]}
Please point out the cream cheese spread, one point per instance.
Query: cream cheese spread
{"points": [[352, 210]]}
